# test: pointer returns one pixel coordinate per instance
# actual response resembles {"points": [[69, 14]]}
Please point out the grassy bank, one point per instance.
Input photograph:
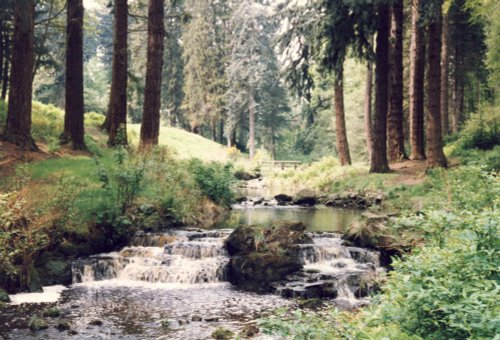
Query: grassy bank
{"points": [[65, 204], [445, 285]]}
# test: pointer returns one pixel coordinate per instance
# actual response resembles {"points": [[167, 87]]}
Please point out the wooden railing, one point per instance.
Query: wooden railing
{"points": [[282, 164]]}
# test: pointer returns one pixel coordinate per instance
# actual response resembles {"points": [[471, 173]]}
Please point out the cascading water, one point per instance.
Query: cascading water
{"points": [[178, 279], [331, 270], [184, 257]]}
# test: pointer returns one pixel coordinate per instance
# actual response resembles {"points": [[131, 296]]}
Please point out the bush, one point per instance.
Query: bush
{"points": [[481, 131], [94, 119], [23, 235], [449, 290], [47, 122], [214, 180], [445, 289]]}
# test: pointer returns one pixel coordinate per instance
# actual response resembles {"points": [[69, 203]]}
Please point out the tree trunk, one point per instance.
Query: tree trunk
{"points": [[6, 65], [444, 78], [213, 127], [73, 118], [221, 131], [368, 107], [1, 49], [340, 129], [117, 112], [416, 90], [251, 133], [379, 161], [150, 128], [435, 155], [18, 128], [273, 145], [396, 142]]}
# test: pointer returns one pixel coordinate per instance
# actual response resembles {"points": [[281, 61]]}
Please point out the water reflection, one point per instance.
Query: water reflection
{"points": [[316, 219]]}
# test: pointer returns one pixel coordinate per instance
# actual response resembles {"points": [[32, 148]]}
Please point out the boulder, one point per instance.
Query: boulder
{"points": [[305, 197], [245, 176], [63, 325], [261, 256], [241, 199], [255, 271], [241, 240], [283, 199]]}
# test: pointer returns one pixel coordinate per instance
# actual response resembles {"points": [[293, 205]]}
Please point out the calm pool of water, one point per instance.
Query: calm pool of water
{"points": [[319, 218]]}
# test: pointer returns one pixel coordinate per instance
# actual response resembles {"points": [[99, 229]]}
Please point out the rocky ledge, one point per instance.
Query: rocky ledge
{"points": [[286, 260], [307, 198], [260, 256]]}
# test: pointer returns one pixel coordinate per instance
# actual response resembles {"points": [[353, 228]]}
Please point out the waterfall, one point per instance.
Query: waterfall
{"points": [[176, 257], [330, 269]]}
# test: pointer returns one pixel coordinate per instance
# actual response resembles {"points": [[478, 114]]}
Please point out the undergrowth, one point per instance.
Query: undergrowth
{"points": [[446, 288]]}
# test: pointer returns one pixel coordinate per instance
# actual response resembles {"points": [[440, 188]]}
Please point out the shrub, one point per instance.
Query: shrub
{"points": [[445, 289], [449, 290], [481, 131], [23, 234], [47, 122], [36, 323], [214, 180], [94, 119]]}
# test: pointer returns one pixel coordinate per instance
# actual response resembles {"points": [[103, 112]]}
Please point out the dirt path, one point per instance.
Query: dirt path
{"points": [[410, 172]]}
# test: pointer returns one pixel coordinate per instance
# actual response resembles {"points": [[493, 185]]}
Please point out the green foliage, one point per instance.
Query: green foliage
{"points": [[94, 119], [479, 142], [222, 334], [446, 288], [36, 323], [449, 290], [214, 180], [121, 185], [23, 234], [4, 297], [52, 312], [47, 122], [320, 175], [482, 131]]}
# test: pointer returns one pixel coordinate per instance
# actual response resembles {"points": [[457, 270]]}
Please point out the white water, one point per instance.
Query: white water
{"points": [[49, 294], [187, 258]]}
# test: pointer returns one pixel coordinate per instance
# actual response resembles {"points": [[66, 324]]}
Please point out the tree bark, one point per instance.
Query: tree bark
{"points": [[416, 90], [117, 112], [150, 128], [213, 128], [251, 133], [273, 145], [221, 131], [444, 77], [368, 107], [378, 157], [396, 142], [434, 137], [340, 128], [6, 66], [73, 119], [18, 127], [1, 49]]}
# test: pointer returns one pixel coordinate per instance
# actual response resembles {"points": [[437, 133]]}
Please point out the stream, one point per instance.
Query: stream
{"points": [[173, 285]]}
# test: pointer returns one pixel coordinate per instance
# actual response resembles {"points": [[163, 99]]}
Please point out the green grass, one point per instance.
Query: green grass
{"points": [[188, 145]]}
